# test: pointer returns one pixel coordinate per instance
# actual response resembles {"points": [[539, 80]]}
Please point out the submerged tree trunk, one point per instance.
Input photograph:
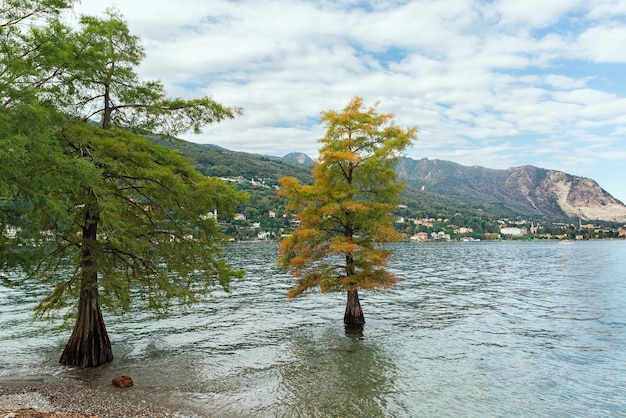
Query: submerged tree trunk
{"points": [[89, 345], [353, 318]]}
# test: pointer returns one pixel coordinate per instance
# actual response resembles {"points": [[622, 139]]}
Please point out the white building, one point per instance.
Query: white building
{"points": [[513, 230]]}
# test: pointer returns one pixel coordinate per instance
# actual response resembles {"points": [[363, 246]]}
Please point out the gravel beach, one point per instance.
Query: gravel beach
{"points": [[67, 399]]}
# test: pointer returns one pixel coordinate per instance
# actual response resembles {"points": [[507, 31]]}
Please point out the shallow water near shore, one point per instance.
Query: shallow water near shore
{"points": [[473, 329]]}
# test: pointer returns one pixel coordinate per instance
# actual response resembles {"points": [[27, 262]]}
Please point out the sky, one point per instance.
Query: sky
{"points": [[491, 83]]}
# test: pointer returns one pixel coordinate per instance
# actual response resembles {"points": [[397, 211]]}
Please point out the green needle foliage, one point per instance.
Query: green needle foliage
{"points": [[91, 75], [19, 50], [35, 176], [154, 239], [89, 207]]}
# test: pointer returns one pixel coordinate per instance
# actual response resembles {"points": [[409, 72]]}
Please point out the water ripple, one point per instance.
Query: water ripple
{"points": [[472, 329]]}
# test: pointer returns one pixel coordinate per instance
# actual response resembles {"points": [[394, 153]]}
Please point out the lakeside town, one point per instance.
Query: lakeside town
{"points": [[269, 225], [520, 229], [264, 218]]}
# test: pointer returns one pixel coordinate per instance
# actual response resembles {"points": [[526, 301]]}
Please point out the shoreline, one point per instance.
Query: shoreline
{"points": [[62, 398]]}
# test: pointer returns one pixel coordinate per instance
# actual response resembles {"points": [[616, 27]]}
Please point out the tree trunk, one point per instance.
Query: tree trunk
{"points": [[353, 318], [106, 116], [89, 345]]}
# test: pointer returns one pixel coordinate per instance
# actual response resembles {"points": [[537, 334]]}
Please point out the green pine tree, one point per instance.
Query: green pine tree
{"points": [[118, 217]]}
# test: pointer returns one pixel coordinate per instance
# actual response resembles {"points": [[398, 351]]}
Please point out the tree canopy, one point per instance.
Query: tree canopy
{"points": [[90, 207], [347, 212], [33, 162], [155, 241]]}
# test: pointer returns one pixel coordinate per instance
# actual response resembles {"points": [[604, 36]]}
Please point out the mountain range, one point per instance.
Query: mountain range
{"points": [[438, 185], [527, 190]]}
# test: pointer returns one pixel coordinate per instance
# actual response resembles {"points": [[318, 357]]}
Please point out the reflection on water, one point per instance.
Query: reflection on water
{"points": [[472, 329], [335, 375]]}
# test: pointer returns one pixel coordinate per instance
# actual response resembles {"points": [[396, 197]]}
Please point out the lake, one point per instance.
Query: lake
{"points": [[473, 329]]}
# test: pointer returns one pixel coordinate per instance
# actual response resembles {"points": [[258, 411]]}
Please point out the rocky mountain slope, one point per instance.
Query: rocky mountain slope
{"points": [[438, 185], [300, 158], [525, 190]]}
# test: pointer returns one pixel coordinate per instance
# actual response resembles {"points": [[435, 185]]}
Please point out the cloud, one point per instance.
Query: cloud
{"points": [[532, 14], [607, 9], [603, 43], [488, 83]]}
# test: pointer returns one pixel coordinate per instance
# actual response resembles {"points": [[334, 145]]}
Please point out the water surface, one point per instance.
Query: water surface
{"points": [[473, 329]]}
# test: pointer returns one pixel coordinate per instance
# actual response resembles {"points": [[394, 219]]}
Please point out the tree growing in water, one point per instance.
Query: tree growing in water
{"points": [[139, 231], [347, 212], [134, 223]]}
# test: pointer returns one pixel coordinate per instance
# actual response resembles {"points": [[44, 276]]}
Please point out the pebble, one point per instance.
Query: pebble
{"points": [[70, 400]]}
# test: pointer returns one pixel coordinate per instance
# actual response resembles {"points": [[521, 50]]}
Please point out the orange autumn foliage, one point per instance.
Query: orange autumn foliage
{"points": [[346, 214]]}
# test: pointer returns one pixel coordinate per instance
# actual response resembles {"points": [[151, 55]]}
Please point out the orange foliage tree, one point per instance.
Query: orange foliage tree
{"points": [[347, 213]]}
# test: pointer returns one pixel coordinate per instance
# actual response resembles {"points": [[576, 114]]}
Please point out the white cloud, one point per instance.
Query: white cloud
{"points": [[603, 9], [490, 83], [563, 82], [533, 13], [603, 43]]}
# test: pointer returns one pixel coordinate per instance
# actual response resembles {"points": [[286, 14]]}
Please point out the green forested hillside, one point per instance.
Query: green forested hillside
{"points": [[447, 187], [429, 205], [434, 188], [212, 160]]}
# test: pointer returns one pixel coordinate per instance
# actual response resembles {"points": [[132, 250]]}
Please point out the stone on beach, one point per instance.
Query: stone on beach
{"points": [[63, 398], [123, 381]]}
